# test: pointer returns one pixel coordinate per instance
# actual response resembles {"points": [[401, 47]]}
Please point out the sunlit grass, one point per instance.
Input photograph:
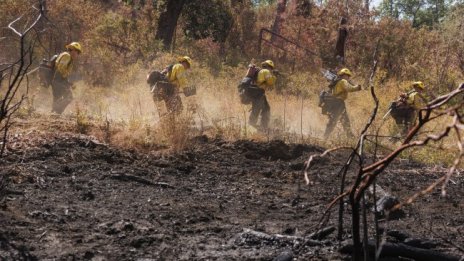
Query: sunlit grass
{"points": [[125, 114]]}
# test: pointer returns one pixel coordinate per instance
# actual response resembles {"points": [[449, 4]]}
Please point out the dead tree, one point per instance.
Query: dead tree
{"points": [[14, 75], [448, 105]]}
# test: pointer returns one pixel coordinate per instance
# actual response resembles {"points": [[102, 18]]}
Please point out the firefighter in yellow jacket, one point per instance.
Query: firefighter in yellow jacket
{"points": [[259, 104], [404, 110], [176, 76], [338, 108], [61, 87]]}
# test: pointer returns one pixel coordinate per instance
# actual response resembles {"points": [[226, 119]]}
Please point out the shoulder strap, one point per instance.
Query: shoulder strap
{"points": [[255, 76], [333, 83], [170, 68], [167, 71]]}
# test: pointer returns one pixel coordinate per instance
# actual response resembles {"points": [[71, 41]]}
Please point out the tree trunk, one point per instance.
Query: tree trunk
{"points": [[279, 19], [341, 40], [168, 22], [391, 8], [300, 8]]}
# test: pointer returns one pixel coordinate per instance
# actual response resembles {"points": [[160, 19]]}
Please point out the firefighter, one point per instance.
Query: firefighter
{"points": [[176, 76], [61, 87], [339, 92], [404, 109], [265, 79]]}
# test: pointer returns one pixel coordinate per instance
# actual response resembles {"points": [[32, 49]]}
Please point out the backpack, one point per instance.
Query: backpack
{"points": [[252, 73], [400, 108], [158, 83], [158, 76], [326, 100], [332, 83], [47, 71], [247, 89]]}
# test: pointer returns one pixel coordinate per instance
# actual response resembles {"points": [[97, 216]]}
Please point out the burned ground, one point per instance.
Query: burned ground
{"points": [[69, 196]]}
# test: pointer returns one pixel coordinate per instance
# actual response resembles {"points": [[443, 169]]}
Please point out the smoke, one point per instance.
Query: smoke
{"points": [[216, 104]]}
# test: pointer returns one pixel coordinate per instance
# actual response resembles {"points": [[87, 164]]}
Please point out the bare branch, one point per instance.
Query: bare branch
{"points": [[16, 73], [309, 162], [10, 25]]}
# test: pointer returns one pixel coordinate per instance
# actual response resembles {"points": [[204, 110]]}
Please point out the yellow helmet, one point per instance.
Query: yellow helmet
{"points": [[269, 63], [185, 59], [418, 84], [344, 71], [74, 45]]}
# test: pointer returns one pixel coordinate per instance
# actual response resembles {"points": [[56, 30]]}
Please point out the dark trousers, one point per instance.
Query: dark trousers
{"points": [[260, 106], [169, 93], [62, 94], [338, 112], [404, 119], [174, 103]]}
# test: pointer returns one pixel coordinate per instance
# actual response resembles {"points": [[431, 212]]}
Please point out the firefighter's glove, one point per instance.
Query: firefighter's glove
{"points": [[276, 72], [359, 87]]}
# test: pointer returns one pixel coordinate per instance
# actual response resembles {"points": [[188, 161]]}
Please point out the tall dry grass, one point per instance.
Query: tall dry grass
{"points": [[125, 114]]}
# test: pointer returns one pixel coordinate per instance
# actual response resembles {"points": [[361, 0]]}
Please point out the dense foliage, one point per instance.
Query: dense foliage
{"points": [[418, 39]]}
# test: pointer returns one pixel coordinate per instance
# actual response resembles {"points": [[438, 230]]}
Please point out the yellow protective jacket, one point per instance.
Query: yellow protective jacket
{"points": [[415, 100], [64, 64], [178, 76], [265, 78], [342, 88]]}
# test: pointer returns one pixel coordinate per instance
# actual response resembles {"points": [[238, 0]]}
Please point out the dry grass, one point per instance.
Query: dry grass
{"points": [[125, 115]]}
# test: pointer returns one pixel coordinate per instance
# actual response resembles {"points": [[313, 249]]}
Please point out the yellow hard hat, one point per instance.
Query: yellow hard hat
{"points": [[418, 84], [74, 45], [269, 63], [344, 71], [185, 59]]}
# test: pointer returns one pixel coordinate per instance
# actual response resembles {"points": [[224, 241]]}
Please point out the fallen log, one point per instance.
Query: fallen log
{"points": [[405, 251], [421, 243], [321, 233], [252, 237]]}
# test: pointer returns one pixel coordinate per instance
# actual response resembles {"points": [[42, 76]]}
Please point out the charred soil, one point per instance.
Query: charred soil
{"points": [[70, 197]]}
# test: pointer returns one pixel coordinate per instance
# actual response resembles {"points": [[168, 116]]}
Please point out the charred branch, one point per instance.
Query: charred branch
{"points": [[405, 251]]}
